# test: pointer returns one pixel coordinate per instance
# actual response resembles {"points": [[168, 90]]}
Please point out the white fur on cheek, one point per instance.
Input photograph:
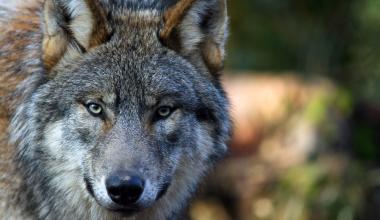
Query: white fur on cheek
{"points": [[68, 164], [53, 137], [66, 170]]}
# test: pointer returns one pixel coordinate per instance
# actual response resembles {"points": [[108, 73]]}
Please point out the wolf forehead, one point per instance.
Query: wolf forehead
{"points": [[139, 4], [117, 72]]}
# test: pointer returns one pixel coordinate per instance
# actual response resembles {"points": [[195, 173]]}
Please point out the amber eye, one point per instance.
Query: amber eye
{"points": [[164, 111], [94, 109]]}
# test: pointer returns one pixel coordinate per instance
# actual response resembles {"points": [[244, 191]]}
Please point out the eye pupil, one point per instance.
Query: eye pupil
{"points": [[164, 111], [95, 108]]}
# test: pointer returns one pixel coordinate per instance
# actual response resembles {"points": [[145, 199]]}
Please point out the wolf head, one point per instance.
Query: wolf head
{"points": [[129, 112]]}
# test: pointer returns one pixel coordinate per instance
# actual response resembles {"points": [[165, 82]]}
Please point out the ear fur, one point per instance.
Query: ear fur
{"points": [[71, 27], [197, 29]]}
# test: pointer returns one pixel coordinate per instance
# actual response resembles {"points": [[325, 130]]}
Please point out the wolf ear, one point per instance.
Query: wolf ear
{"points": [[197, 29], [71, 27]]}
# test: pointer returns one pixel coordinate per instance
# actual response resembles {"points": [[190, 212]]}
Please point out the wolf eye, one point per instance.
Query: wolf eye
{"points": [[164, 111], [94, 109]]}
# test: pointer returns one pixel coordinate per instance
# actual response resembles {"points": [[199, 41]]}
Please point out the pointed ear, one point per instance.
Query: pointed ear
{"points": [[197, 29], [71, 27]]}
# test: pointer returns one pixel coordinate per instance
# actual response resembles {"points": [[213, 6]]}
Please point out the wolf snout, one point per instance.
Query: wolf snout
{"points": [[124, 188]]}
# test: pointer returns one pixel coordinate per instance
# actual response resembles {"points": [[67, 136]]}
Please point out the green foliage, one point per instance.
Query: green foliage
{"points": [[365, 50], [338, 39], [328, 188], [364, 145]]}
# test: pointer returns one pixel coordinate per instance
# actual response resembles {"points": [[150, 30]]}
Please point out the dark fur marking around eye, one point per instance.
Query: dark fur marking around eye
{"points": [[173, 137], [205, 114]]}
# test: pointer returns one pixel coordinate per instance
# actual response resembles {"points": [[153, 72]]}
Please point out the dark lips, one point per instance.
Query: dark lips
{"points": [[163, 190], [127, 212]]}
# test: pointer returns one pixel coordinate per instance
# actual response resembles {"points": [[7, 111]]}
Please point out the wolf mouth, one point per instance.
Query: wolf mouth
{"points": [[127, 212], [89, 186], [163, 190]]}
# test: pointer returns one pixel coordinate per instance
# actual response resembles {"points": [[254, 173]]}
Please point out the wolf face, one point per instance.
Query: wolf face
{"points": [[129, 114]]}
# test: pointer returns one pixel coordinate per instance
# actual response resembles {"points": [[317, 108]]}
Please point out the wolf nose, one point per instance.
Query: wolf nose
{"points": [[124, 189]]}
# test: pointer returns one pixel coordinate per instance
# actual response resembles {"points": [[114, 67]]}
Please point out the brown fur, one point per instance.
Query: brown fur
{"points": [[212, 56], [209, 43], [15, 41], [174, 16], [57, 40], [54, 44], [102, 31]]}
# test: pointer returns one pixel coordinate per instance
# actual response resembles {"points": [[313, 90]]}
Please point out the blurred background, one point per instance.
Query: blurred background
{"points": [[303, 77]]}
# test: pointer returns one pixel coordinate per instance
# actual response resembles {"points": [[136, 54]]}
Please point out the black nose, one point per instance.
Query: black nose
{"points": [[124, 189]]}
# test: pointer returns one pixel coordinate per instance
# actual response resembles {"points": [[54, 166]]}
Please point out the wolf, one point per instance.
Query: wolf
{"points": [[110, 109]]}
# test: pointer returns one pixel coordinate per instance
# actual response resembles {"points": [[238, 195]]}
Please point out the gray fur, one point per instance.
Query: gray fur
{"points": [[60, 147]]}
